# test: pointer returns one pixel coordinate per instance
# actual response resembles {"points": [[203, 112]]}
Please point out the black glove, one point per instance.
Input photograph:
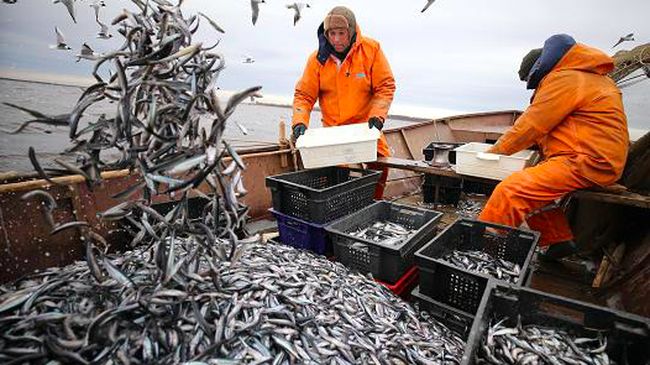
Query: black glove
{"points": [[375, 122], [298, 130]]}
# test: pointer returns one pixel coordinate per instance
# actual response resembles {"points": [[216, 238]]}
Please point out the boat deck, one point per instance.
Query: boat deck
{"points": [[570, 278]]}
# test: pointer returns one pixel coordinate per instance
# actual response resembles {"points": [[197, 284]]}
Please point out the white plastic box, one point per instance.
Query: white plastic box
{"points": [[354, 143], [472, 160]]}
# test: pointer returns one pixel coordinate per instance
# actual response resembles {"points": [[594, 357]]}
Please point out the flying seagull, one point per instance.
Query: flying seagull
{"points": [[60, 41], [297, 7], [96, 5], [87, 53], [69, 4], [255, 6], [627, 38], [103, 31], [429, 2]]}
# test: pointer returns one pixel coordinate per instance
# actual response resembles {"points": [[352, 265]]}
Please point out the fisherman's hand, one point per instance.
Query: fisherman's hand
{"points": [[375, 122], [298, 130]]}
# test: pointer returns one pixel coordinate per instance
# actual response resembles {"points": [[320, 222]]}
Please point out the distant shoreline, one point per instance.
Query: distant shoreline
{"points": [[262, 103], [635, 133], [41, 82]]}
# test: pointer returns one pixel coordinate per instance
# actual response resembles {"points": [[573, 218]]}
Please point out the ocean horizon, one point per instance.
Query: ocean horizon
{"points": [[260, 119]]}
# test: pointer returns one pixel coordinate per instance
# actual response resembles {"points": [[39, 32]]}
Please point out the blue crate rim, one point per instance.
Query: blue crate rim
{"points": [[366, 173], [311, 224], [522, 275], [397, 249]]}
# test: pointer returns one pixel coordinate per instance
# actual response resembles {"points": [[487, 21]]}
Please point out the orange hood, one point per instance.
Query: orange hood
{"points": [[584, 58]]}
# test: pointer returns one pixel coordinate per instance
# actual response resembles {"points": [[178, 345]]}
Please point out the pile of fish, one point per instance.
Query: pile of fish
{"points": [[384, 232], [484, 263], [469, 208], [273, 304], [540, 345], [191, 289], [161, 84]]}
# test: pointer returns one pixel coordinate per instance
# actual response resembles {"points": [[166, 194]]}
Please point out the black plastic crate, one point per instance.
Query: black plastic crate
{"points": [[386, 263], [441, 189], [461, 288], [430, 150], [322, 195], [457, 321], [627, 334]]}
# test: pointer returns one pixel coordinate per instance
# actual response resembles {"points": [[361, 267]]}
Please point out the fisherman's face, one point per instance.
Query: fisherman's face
{"points": [[339, 38]]}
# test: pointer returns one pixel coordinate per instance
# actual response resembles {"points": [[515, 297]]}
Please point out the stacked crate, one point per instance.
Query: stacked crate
{"points": [[305, 201]]}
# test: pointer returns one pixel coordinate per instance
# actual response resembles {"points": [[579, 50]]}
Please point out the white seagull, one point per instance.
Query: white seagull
{"points": [[60, 41], [69, 4], [297, 7], [627, 38], [255, 6], [87, 53], [96, 5], [103, 31]]}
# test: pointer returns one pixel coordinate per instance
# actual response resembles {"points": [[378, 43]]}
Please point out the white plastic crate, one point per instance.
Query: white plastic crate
{"points": [[471, 159], [320, 147]]}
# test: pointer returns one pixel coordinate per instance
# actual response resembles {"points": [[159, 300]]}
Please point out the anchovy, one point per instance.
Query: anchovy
{"points": [[531, 344], [384, 232], [483, 262], [191, 289]]}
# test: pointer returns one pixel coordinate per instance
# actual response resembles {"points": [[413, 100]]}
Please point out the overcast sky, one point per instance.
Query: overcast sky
{"points": [[460, 54]]}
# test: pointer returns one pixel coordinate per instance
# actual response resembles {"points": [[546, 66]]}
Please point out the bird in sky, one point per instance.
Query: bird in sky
{"points": [[69, 4], [627, 38], [255, 6], [87, 53], [297, 8], [103, 31], [96, 5], [429, 2], [60, 41]]}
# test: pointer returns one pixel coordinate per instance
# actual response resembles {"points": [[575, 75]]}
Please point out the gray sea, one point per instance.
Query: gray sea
{"points": [[261, 122]]}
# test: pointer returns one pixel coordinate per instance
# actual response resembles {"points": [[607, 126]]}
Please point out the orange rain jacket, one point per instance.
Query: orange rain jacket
{"points": [[361, 87], [576, 117]]}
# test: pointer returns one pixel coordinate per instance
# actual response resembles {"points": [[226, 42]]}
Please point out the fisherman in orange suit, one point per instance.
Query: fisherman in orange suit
{"points": [[350, 77], [576, 119]]}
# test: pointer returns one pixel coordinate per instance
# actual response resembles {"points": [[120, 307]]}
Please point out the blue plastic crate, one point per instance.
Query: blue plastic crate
{"points": [[300, 234]]}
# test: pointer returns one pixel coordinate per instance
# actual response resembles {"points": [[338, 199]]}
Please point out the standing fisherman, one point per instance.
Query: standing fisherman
{"points": [[351, 79]]}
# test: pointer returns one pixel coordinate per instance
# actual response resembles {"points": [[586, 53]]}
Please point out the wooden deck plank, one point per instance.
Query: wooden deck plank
{"points": [[623, 198]]}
